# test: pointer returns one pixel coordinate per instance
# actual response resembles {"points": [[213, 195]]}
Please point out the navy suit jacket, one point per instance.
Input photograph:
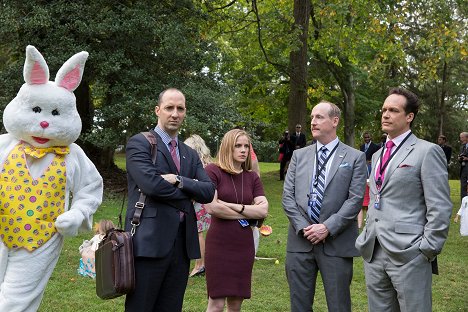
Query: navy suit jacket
{"points": [[370, 151], [299, 140], [160, 221]]}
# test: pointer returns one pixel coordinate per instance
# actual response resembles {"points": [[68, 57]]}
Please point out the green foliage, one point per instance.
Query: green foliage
{"points": [[137, 48], [232, 59]]}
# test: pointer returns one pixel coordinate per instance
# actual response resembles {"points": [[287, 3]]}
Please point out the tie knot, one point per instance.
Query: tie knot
{"points": [[323, 149], [173, 143], [389, 144]]}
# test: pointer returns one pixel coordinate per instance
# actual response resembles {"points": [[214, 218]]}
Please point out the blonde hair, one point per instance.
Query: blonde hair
{"points": [[103, 226], [198, 144], [226, 149]]}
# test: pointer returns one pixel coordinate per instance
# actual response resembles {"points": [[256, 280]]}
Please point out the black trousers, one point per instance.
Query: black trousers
{"points": [[463, 179], [283, 167], [161, 282]]}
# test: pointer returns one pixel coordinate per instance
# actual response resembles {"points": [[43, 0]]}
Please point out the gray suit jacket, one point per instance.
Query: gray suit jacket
{"points": [[344, 193], [415, 205]]}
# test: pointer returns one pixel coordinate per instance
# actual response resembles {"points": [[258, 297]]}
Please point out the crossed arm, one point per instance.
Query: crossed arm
{"points": [[225, 210]]}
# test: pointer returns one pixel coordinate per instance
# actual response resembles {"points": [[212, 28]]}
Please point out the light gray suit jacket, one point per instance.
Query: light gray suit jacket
{"points": [[344, 193], [415, 205]]}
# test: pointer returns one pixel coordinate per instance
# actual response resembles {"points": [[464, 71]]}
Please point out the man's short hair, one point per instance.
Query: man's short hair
{"points": [[334, 110], [164, 91], [412, 101]]}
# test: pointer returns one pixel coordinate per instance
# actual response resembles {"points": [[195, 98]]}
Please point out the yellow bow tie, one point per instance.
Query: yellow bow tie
{"points": [[38, 152]]}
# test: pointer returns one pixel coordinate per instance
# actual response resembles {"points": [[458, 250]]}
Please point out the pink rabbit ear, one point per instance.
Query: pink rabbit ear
{"points": [[70, 74], [35, 69]]}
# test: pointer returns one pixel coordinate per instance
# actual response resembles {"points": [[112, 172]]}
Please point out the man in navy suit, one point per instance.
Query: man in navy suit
{"points": [[166, 238], [369, 148], [298, 138]]}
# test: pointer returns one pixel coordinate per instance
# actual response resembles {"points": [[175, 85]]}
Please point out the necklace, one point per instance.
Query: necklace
{"points": [[242, 190]]}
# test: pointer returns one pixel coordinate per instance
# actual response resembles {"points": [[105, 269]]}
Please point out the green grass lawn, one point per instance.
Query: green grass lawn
{"points": [[67, 291]]}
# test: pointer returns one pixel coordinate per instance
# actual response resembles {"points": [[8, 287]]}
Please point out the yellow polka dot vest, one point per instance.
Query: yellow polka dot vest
{"points": [[28, 206]]}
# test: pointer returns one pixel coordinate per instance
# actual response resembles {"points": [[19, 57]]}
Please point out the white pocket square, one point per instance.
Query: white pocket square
{"points": [[345, 165]]}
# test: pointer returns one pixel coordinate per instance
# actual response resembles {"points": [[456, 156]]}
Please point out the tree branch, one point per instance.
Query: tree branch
{"points": [[278, 66], [211, 9]]}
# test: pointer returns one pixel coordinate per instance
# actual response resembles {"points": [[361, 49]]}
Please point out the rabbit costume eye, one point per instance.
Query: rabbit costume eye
{"points": [[42, 102]]}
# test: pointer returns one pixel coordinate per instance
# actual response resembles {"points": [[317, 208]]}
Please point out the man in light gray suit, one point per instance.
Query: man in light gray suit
{"points": [[323, 193], [409, 212]]}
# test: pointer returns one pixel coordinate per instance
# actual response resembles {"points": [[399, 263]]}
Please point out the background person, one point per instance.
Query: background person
{"points": [[463, 160], [203, 217], [322, 195], [286, 148], [88, 247], [166, 238], [230, 250], [369, 148], [298, 138], [442, 142], [383, 140], [409, 213], [462, 214]]}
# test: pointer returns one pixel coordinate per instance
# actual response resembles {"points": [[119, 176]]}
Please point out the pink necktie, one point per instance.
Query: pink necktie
{"points": [[389, 145], [174, 154]]}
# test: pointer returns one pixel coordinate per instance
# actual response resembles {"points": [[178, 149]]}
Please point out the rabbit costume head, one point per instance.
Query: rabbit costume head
{"points": [[44, 112]]}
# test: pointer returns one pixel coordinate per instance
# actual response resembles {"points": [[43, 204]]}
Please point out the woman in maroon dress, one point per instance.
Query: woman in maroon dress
{"points": [[239, 198]]}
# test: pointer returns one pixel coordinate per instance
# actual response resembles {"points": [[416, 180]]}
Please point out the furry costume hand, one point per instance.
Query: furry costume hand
{"points": [[69, 222]]}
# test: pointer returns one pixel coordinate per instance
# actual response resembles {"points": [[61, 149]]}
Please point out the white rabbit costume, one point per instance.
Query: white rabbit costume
{"points": [[36, 209]]}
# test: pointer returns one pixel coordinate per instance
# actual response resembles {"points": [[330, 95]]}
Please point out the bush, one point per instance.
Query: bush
{"points": [[267, 151]]}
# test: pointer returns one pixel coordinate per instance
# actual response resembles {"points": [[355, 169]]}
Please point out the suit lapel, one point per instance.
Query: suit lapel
{"points": [[337, 160], [184, 159], [375, 158], [309, 165], [399, 157]]}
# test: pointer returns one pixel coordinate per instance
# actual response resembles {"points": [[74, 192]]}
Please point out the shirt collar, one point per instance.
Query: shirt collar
{"points": [[330, 146], [399, 138], [166, 138]]}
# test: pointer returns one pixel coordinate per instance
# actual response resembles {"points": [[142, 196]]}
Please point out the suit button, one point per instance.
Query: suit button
{"points": [[376, 220]]}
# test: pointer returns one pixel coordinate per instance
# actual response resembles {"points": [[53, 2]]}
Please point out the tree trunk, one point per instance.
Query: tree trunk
{"points": [[84, 106], [103, 158], [442, 111], [348, 91], [297, 102], [345, 78]]}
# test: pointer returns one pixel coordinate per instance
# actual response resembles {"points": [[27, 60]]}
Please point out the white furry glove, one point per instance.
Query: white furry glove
{"points": [[69, 222]]}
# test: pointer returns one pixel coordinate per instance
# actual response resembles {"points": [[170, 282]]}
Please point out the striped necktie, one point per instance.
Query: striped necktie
{"points": [[314, 211]]}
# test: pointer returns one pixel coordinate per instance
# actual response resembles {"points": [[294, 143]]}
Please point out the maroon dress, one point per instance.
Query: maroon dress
{"points": [[229, 249]]}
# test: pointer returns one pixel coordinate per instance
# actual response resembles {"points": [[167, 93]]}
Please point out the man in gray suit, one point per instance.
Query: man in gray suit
{"points": [[409, 212], [323, 193]]}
